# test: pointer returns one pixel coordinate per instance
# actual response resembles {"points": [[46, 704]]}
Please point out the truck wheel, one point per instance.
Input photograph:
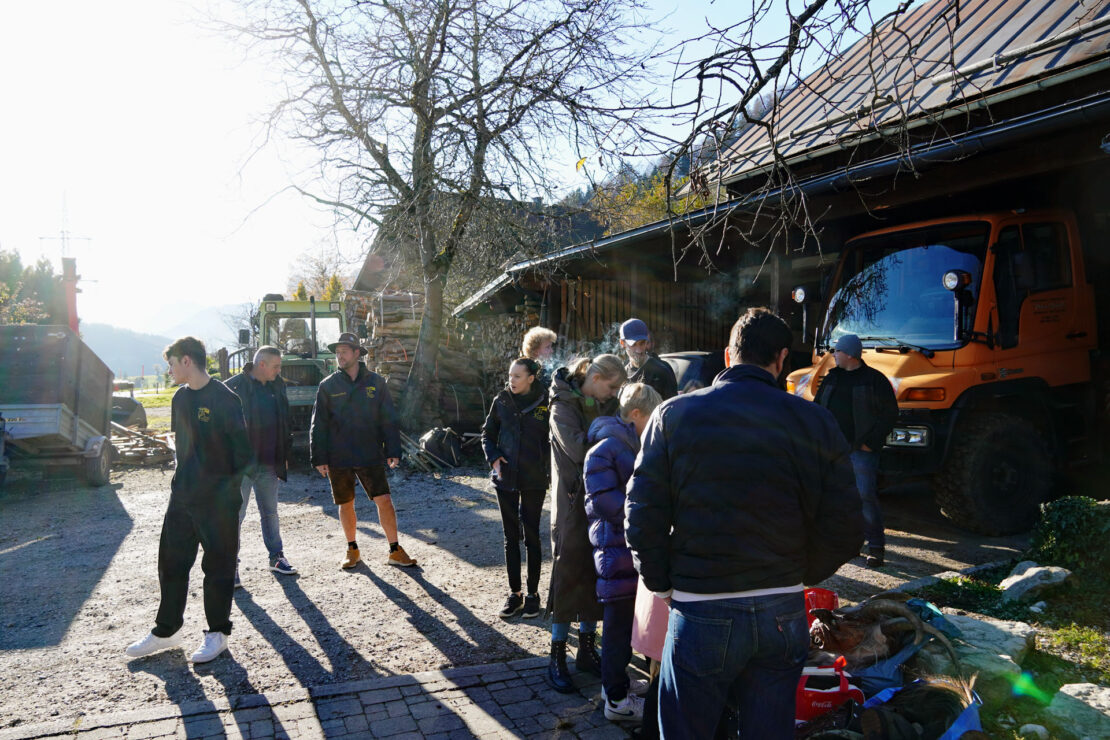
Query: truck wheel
{"points": [[997, 475], [97, 468]]}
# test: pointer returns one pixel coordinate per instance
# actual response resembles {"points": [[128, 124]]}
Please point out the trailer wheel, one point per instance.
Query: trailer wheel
{"points": [[97, 468], [998, 473]]}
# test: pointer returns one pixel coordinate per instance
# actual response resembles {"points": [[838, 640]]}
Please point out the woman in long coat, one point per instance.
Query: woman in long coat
{"points": [[579, 394]]}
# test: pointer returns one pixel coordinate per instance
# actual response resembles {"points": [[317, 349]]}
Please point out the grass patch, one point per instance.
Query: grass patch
{"points": [[158, 400]]}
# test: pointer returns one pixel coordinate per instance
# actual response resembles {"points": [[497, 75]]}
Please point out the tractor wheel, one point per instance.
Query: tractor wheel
{"points": [[97, 469], [998, 473]]}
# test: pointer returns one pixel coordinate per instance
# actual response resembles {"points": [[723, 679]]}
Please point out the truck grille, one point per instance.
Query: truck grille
{"points": [[301, 374]]}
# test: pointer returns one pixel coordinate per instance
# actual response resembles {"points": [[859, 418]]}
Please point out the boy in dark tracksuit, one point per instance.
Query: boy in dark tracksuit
{"points": [[212, 452], [353, 435]]}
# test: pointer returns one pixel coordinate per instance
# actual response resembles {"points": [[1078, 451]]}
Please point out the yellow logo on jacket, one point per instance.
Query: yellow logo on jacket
{"points": [[540, 413], [203, 414], [370, 391]]}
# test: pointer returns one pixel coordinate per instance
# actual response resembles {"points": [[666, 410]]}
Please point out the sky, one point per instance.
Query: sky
{"points": [[132, 129]]}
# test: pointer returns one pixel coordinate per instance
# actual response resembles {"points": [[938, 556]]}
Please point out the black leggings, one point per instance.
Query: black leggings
{"points": [[520, 518], [212, 523]]}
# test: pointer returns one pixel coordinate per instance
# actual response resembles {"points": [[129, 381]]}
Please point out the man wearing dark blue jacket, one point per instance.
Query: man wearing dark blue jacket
{"points": [[354, 434], [742, 493]]}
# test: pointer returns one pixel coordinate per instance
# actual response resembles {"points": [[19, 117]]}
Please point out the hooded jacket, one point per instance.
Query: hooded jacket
{"points": [[354, 423], [516, 429], [742, 486], [246, 387], [608, 467]]}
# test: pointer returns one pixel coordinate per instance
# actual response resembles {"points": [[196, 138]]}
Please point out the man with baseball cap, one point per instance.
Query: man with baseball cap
{"points": [[863, 403], [354, 434], [644, 366]]}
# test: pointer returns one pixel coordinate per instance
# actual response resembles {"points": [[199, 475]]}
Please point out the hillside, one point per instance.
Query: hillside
{"points": [[126, 352]]}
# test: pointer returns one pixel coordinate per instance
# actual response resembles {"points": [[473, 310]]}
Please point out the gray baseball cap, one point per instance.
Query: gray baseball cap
{"points": [[849, 344]]}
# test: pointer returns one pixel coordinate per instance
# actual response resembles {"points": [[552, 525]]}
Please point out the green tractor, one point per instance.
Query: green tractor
{"points": [[302, 330]]}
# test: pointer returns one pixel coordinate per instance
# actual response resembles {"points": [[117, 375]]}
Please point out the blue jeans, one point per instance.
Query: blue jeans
{"points": [[265, 483], [749, 651], [866, 467]]}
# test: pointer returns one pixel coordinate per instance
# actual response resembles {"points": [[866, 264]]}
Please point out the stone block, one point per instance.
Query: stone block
{"points": [[1028, 581], [1079, 711]]}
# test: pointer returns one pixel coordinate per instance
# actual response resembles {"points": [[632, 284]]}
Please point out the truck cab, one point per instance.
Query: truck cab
{"points": [[302, 330], [985, 326]]}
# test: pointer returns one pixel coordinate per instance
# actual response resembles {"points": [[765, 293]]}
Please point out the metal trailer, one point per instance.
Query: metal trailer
{"points": [[56, 401]]}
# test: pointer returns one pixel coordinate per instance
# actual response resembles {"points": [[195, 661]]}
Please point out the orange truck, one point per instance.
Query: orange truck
{"points": [[985, 326]]}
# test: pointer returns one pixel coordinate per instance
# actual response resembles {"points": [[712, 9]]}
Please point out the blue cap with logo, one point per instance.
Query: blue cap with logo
{"points": [[634, 330]]}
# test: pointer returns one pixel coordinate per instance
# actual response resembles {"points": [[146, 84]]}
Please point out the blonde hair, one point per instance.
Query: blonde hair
{"points": [[609, 367], [534, 338], [639, 396]]}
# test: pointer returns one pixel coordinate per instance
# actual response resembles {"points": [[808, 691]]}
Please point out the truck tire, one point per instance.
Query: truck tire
{"points": [[97, 469], [998, 473]]}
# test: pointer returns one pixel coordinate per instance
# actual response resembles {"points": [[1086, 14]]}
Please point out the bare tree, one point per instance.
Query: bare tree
{"points": [[736, 115], [419, 105]]}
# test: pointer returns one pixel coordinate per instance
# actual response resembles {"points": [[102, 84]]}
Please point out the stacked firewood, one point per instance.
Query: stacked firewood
{"points": [[456, 395], [141, 447]]}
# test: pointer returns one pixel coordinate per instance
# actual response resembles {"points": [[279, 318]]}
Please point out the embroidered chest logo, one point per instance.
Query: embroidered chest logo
{"points": [[203, 414], [540, 414], [370, 391]]}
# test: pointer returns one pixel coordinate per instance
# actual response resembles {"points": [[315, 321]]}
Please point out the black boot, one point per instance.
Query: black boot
{"points": [[557, 674], [587, 658]]}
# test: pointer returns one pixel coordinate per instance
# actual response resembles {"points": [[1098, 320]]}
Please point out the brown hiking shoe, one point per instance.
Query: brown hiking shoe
{"points": [[401, 558], [353, 558]]}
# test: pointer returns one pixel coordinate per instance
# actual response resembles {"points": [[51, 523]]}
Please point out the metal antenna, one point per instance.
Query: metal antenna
{"points": [[64, 236]]}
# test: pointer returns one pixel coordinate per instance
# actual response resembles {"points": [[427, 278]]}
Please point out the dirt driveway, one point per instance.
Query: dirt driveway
{"points": [[78, 582]]}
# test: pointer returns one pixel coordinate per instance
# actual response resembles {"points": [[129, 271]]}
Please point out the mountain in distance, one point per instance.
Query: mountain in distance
{"points": [[129, 352], [126, 352]]}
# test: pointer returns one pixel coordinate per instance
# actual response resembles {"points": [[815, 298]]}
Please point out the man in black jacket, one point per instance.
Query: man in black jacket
{"points": [[354, 434], [266, 410], [212, 453], [742, 493], [644, 366], [863, 403]]}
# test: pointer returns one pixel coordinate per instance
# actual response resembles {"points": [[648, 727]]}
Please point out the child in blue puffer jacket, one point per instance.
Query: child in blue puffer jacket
{"points": [[608, 467]]}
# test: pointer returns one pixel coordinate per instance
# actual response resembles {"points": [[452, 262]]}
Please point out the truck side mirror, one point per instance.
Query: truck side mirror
{"points": [[244, 337]]}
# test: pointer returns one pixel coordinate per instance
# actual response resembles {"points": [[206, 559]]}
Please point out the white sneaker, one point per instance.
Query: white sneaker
{"points": [[214, 644], [637, 686], [152, 643], [628, 709]]}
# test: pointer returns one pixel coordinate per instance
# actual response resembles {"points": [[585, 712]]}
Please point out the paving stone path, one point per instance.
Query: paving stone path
{"points": [[500, 700]]}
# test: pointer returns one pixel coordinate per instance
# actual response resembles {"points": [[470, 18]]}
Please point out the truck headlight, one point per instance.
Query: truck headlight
{"points": [[909, 437]]}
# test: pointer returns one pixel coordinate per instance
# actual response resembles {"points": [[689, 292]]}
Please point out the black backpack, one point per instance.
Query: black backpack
{"points": [[443, 444]]}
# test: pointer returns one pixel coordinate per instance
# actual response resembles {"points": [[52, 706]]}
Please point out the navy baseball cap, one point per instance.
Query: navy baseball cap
{"points": [[634, 330]]}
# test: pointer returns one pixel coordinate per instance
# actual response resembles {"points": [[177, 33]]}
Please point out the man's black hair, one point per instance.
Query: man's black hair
{"points": [[758, 336]]}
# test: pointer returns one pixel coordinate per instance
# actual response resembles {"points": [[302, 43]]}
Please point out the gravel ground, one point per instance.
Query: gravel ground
{"points": [[78, 582]]}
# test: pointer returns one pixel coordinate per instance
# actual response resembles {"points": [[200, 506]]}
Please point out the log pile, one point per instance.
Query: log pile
{"points": [[141, 447], [456, 396]]}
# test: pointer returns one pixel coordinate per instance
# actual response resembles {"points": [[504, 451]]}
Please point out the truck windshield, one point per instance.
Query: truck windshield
{"points": [[292, 332], [892, 291]]}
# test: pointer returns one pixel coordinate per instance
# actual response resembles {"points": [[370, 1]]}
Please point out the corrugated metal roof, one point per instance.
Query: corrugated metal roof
{"points": [[938, 57]]}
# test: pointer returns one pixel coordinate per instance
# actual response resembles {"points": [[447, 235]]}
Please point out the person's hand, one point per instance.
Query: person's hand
{"points": [[497, 466], [393, 461], [864, 448], [323, 470]]}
